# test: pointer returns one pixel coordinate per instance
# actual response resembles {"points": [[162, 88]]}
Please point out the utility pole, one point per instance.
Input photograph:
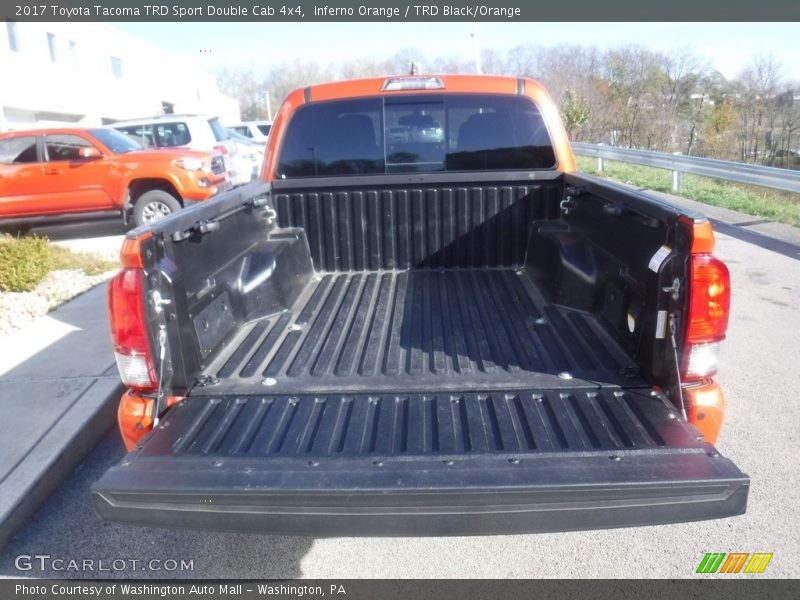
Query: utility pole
{"points": [[476, 39]]}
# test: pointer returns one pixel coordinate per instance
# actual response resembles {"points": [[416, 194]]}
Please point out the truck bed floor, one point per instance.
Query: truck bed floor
{"points": [[416, 331]]}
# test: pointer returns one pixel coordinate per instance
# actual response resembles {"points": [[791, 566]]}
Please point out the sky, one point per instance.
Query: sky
{"points": [[728, 46]]}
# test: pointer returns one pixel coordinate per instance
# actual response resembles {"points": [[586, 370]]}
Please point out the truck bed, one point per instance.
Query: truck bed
{"points": [[449, 330], [369, 343]]}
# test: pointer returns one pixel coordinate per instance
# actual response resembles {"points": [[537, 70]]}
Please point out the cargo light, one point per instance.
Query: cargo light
{"points": [[397, 84], [128, 330], [709, 307]]}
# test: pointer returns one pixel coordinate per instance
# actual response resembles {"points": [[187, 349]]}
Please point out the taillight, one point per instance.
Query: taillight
{"points": [[709, 299], [129, 331], [709, 307], [222, 148]]}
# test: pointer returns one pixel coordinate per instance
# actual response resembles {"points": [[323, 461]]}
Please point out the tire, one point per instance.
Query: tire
{"points": [[154, 205]]}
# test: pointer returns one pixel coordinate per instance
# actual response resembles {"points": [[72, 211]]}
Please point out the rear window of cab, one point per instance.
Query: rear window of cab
{"points": [[415, 134]]}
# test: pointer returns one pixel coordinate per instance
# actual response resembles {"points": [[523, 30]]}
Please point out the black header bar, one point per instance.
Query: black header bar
{"points": [[702, 588], [276, 11]]}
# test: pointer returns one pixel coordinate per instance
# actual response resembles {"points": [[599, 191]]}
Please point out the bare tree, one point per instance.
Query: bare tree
{"points": [[627, 95]]}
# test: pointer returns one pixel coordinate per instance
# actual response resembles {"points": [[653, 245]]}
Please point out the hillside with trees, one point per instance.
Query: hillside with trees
{"points": [[626, 96]]}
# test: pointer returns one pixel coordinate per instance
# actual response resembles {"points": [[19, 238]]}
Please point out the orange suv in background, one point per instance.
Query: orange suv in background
{"points": [[51, 175]]}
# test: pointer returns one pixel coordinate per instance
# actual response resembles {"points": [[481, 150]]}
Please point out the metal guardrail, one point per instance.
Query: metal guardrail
{"points": [[771, 177]]}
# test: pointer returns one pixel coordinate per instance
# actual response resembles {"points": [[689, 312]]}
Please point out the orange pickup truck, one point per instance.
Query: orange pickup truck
{"points": [[49, 175], [423, 321]]}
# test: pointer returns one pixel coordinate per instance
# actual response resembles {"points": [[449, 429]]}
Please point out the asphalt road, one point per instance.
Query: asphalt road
{"points": [[761, 435], [102, 236]]}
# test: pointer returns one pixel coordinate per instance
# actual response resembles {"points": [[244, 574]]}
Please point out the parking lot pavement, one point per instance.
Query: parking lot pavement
{"points": [[102, 237], [759, 375]]}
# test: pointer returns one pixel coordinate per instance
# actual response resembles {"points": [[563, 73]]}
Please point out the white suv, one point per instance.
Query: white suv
{"points": [[197, 132], [258, 131]]}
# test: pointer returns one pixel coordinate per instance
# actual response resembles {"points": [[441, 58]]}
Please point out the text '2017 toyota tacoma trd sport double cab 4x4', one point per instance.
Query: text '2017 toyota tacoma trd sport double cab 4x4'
{"points": [[421, 321]]}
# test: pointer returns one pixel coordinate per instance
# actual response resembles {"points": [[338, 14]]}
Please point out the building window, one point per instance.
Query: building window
{"points": [[51, 45], [13, 40], [73, 50], [116, 66]]}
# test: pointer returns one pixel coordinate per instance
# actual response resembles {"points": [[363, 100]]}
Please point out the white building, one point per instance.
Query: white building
{"points": [[92, 74]]}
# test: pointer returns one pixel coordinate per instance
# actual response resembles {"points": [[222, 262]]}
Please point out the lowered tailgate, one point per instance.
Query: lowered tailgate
{"points": [[423, 464]]}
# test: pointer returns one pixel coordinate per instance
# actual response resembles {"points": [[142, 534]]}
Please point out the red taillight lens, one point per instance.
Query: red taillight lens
{"points": [[221, 148], [709, 306], [129, 331], [709, 299]]}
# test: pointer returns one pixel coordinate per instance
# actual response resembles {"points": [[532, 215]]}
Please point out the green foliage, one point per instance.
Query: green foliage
{"points": [[63, 258], [23, 262], [751, 200], [717, 131], [575, 112]]}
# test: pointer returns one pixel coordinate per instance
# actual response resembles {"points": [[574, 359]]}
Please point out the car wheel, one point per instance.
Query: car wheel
{"points": [[154, 205]]}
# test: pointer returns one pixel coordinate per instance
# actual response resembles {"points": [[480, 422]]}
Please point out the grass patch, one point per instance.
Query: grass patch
{"points": [[775, 205], [25, 261], [63, 258]]}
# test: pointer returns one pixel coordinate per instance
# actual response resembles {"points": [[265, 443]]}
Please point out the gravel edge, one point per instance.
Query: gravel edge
{"points": [[17, 309]]}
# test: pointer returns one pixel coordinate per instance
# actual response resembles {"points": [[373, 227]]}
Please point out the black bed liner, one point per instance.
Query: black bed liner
{"points": [[419, 377], [421, 330], [418, 424]]}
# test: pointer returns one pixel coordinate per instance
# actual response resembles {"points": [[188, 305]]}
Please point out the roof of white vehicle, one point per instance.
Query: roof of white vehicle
{"points": [[156, 118]]}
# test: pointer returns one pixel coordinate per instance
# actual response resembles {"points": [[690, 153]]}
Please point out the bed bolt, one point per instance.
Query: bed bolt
{"points": [[448, 462], [313, 463], [377, 463], [565, 375], [295, 327], [671, 416], [541, 321], [513, 461], [216, 463], [615, 458], [269, 381]]}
